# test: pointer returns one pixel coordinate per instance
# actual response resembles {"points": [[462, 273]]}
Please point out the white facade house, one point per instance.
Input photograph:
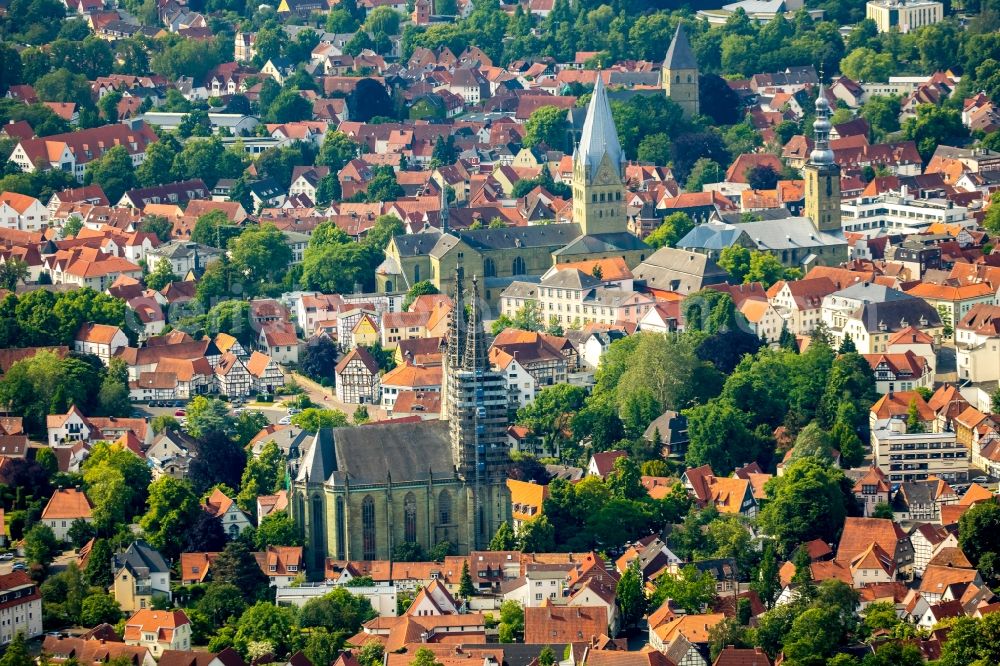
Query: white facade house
{"points": [[19, 211], [100, 340], [520, 383], [20, 607]]}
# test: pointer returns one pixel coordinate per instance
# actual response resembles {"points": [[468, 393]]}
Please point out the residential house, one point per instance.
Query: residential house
{"points": [[101, 340], [170, 454], [596, 344], [73, 151], [527, 499], [185, 257], [977, 344], [870, 314], [900, 372], [66, 506], [281, 564], [159, 630], [799, 302], [279, 341], [94, 651], [859, 533], [545, 357], [954, 302], [232, 517], [22, 212], [233, 377], [266, 374], [564, 624], [521, 385], [872, 489], [671, 428], [140, 574], [728, 495], [409, 378], [357, 378], [20, 607], [397, 326]]}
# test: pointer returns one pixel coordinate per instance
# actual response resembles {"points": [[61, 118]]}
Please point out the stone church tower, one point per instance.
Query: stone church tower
{"points": [[822, 174], [679, 75], [599, 170], [475, 404]]}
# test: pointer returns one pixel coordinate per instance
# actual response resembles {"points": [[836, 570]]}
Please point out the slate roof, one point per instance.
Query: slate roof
{"points": [[679, 54], [407, 451], [599, 137]]}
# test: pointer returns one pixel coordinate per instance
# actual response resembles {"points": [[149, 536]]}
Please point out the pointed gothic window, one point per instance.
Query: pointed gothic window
{"points": [[444, 508], [489, 268], [519, 268], [410, 518], [341, 529], [368, 548]]}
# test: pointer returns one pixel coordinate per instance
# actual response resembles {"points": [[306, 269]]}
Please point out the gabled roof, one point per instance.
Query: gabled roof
{"points": [[67, 504], [860, 533]]}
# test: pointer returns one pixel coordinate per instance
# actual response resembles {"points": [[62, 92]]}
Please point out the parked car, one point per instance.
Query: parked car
{"points": [[292, 411], [7, 556], [180, 412], [981, 479], [285, 420], [19, 566]]}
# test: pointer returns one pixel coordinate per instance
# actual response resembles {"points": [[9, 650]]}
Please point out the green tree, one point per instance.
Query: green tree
{"points": [[767, 269], [735, 260], [504, 538], [260, 254], [933, 126], [805, 503], [113, 171], [116, 482], [371, 653], [277, 529], [672, 229], [266, 623], [173, 506], [17, 653], [971, 641], [99, 608], [537, 535], [40, 546], [314, 419], [422, 288], [338, 611], [630, 595], [704, 172], [13, 272], [691, 589], [161, 276], [511, 621], [263, 475], [237, 566], [465, 587], [98, 572], [979, 537], [424, 657], [547, 126], [767, 583], [206, 416], [164, 423], [864, 64], [337, 150]]}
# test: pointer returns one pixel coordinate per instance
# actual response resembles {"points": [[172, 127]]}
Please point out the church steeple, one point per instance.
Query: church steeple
{"points": [[476, 400], [822, 174], [599, 169], [679, 75]]}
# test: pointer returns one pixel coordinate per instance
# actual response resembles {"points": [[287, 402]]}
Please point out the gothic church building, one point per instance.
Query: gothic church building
{"points": [[362, 490]]}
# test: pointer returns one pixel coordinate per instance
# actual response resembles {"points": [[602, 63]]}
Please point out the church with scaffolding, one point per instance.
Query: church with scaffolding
{"points": [[360, 491]]}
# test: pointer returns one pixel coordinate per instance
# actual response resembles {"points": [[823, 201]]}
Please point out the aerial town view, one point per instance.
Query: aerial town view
{"points": [[499, 332]]}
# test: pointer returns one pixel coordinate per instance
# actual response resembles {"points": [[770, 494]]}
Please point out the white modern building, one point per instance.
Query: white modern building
{"points": [[916, 456], [900, 214]]}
